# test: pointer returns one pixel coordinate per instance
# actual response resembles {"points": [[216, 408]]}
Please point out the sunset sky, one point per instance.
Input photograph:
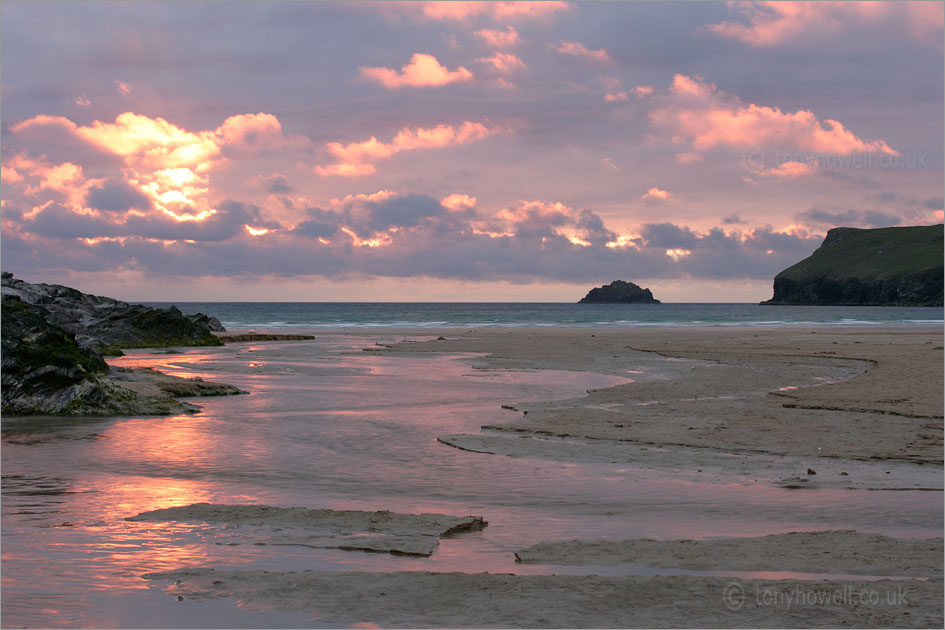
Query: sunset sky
{"points": [[495, 151]]}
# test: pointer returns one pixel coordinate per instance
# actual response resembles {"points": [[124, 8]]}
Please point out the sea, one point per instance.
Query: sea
{"points": [[324, 424], [391, 315]]}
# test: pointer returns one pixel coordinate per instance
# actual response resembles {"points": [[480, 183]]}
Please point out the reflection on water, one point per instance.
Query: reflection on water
{"points": [[328, 426]]}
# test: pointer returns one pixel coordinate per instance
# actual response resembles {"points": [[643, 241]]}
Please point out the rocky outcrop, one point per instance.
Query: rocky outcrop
{"points": [[48, 370], [897, 266], [619, 292], [106, 325]]}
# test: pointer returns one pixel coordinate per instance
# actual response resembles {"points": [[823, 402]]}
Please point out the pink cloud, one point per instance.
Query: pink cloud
{"points": [[357, 158], [656, 195], [700, 114], [458, 203], [688, 157], [499, 39], [774, 23], [576, 49], [504, 63], [790, 170], [123, 88], [499, 11], [82, 101], [168, 164], [422, 71], [640, 91]]}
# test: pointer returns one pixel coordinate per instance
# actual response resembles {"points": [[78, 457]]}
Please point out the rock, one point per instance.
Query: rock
{"points": [[52, 343], [231, 337], [107, 325], [811, 471], [895, 266], [619, 292]]}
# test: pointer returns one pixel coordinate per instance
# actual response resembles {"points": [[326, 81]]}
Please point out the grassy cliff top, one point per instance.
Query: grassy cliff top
{"points": [[876, 254]]}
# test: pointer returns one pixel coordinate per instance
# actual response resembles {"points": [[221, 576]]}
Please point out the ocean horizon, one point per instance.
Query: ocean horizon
{"points": [[381, 315]]}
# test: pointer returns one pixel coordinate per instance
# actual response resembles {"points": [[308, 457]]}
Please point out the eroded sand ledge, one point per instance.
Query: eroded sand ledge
{"points": [[406, 534], [839, 551]]}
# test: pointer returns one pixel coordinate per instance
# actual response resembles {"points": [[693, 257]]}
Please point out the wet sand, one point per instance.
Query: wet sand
{"points": [[476, 600], [821, 394], [793, 408]]}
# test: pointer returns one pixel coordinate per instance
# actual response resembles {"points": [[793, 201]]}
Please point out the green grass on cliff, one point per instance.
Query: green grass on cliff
{"points": [[876, 254]]}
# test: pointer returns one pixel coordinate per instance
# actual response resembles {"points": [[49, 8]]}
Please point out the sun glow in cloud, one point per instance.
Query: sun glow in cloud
{"points": [[167, 163]]}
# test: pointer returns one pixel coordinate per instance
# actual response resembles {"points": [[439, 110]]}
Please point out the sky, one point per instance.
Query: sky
{"points": [[458, 151]]}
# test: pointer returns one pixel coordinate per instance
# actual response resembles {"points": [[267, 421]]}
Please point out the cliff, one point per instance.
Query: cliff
{"points": [[895, 266], [619, 292]]}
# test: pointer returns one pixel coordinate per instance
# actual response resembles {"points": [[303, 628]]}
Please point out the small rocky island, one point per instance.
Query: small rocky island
{"points": [[893, 266], [619, 292], [53, 341]]}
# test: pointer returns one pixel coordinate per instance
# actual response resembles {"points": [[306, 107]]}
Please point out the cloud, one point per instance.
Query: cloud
{"points": [[357, 158], [498, 11], [123, 88], [276, 183], [655, 195], [790, 170], [503, 63], [82, 101], [458, 203], [576, 49], [688, 157], [117, 196], [849, 218], [499, 39], [422, 71], [734, 220], [769, 24], [162, 171], [387, 234], [701, 115]]}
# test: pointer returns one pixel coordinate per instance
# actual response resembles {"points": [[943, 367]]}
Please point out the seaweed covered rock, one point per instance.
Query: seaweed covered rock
{"points": [[619, 292], [45, 372], [53, 338]]}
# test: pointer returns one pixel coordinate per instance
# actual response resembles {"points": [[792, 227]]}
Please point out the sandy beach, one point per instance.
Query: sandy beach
{"points": [[796, 409]]}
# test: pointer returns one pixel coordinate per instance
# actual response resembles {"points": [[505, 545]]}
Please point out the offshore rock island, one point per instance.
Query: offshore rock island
{"points": [[619, 292], [893, 266]]}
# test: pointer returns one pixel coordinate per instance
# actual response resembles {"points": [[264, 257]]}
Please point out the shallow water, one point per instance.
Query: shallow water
{"points": [[326, 425]]}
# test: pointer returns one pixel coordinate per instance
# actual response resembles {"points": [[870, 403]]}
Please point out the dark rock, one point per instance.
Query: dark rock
{"points": [[233, 338], [52, 343], [619, 292], [107, 325], [896, 266]]}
